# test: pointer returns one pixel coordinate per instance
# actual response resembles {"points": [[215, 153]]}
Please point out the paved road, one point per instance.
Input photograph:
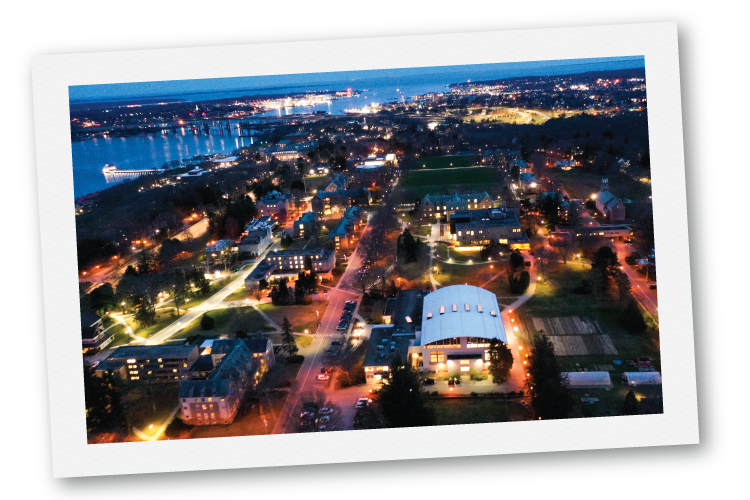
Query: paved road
{"points": [[211, 303], [109, 272]]}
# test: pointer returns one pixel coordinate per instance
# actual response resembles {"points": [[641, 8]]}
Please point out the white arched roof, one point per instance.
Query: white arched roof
{"points": [[477, 321]]}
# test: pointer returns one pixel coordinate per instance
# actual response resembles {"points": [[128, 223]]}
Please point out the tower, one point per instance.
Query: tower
{"points": [[605, 184]]}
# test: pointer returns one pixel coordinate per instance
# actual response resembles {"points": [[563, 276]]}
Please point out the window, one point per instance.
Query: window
{"points": [[454, 343], [473, 342], [437, 357], [442, 309], [464, 361], [467, 307], [479, 308], [429, 315], [455, 307]]}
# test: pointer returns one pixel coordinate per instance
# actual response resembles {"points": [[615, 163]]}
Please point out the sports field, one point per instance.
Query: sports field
{"points": [[437, 162], [451, 176]]}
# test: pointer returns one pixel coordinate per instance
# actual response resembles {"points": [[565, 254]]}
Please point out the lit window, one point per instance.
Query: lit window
{"points": [[455, 307], [442, 309], [479, 308]]}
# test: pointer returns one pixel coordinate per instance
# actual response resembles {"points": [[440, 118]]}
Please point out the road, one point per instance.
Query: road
{"points": [[112, 271], [209, 304]]}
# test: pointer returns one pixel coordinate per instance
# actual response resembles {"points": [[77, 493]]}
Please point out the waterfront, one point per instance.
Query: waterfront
{"points": [[142, 152]]}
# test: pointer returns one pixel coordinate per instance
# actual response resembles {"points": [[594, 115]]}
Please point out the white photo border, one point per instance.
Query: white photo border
{"points": [[52, 75]]}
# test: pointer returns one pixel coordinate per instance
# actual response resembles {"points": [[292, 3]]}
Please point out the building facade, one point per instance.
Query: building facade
{"points": [[157, 363], [306, 225], [276, 204], [607, 204], [474, 229], [437, 206], [288, 264]]}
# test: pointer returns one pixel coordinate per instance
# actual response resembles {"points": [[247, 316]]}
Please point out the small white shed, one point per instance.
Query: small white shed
{"points": [[579, 380], [642, 378]]}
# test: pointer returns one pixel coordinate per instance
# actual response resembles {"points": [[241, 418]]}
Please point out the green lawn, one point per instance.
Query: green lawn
{"points": [[437, 162], [467, 177], [478, 411], [229, 321], [580, 184], [239, 294], [301, 317], [552, 298]]}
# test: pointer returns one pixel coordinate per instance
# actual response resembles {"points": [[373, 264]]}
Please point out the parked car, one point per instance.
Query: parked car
{"points": [[429, 381], [323, 376], [336, 342], [652, 287], [324, 419], [326, 411], [362, 402], [323, 428]]}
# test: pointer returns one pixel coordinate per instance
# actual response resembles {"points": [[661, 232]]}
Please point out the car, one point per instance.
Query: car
{"points": [[630, 243], [652, 287], [324, 419], [326, 411], [323, 370], [323, 376], [380, 347], [323, 428], [341, 328], [362, 402], [429, 381], [329, 353], [524, 403], [336, 342]]}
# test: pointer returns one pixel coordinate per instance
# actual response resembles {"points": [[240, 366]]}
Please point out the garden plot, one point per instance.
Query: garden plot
{"points": [[574, 336], [572, 325]]}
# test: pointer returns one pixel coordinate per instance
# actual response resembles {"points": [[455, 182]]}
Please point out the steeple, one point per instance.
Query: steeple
{"points": [[605, 184]]}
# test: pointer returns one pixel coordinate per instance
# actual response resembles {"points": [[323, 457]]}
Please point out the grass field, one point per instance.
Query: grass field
{"points": [[301, 317], [553, 298], [436, 162], [229, 321], [582, 185], [464, 177], [477, 411]]}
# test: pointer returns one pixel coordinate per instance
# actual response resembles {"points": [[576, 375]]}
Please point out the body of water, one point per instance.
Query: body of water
{"points": [[142, 152], [152, 151]]}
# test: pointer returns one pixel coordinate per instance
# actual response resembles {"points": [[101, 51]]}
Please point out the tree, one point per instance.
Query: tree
{"points": [[207, 322], [631, 404], [288, 344], [102, 298], [408, 246], [516, 259], [105, 409], [501, 361], [545, 384], [631, 318], [549, 205], [145, 313], [519, 284], [623, 285], [180, 289], [286, 241], [146, 263], [604, 263], [402, 398]]}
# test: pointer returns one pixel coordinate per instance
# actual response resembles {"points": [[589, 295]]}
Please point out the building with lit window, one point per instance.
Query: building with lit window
{"points": [[275, 204], [93, 336], [306, 225], [607, 204], [342, 236], [458, 323], [239, 366], [255, 242], [150, 363], [289, 263], [530, 183], [398, 338], [474, 229], [437, 206], [330, 202]]}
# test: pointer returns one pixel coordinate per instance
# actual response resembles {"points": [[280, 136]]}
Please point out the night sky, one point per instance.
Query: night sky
{"points": [[355, 79]]}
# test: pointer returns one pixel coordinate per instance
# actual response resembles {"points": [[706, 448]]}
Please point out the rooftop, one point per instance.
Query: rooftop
{"points": [[383, 335], [461, 311]]}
